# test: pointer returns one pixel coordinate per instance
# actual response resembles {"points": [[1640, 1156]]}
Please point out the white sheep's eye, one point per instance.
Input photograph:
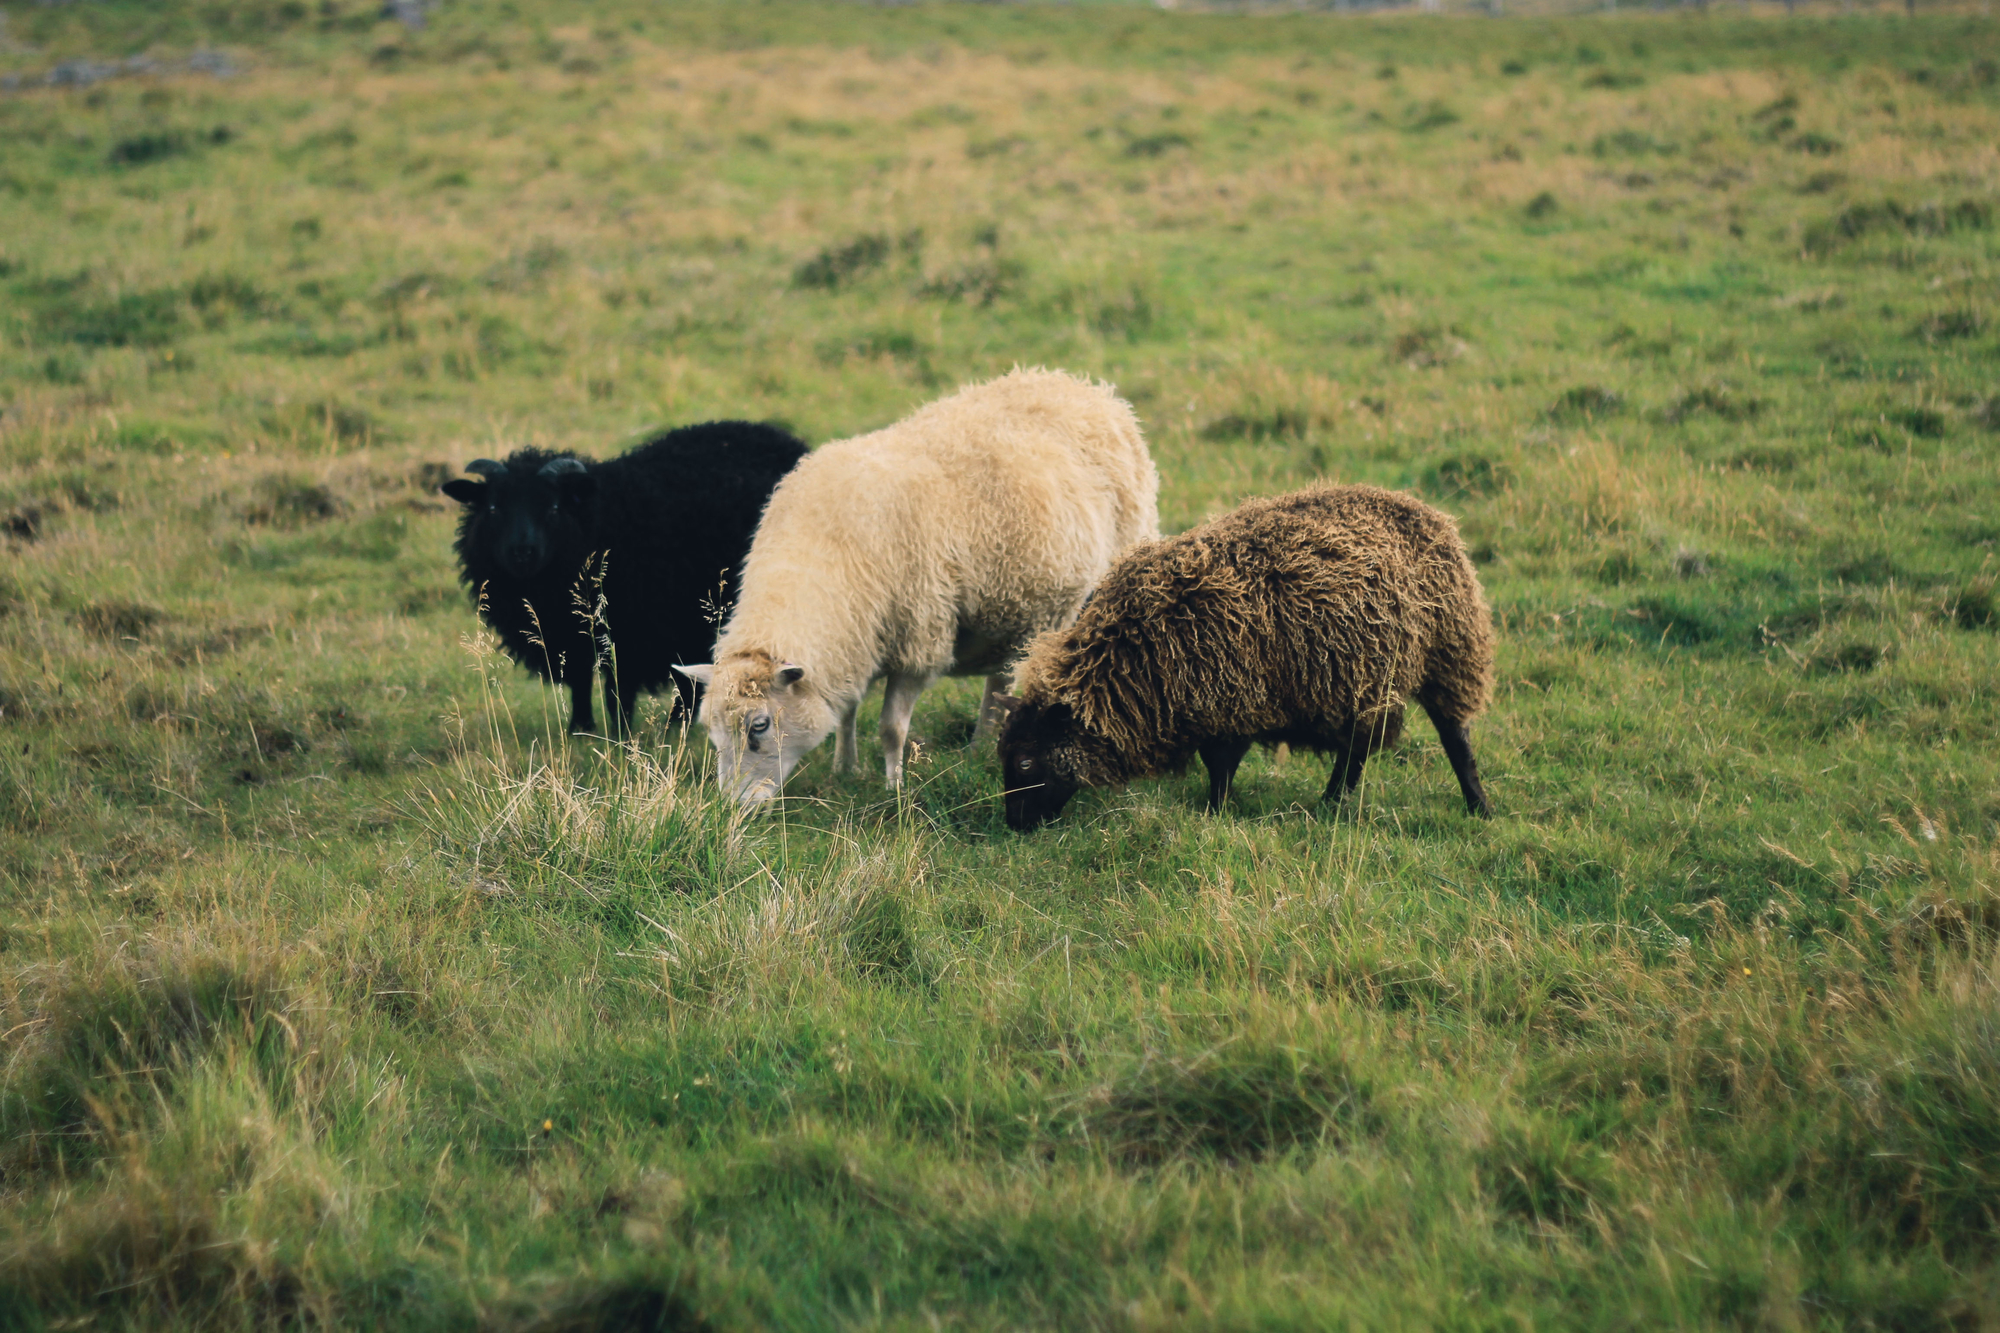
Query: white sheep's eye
{"points": [[760, 726]]}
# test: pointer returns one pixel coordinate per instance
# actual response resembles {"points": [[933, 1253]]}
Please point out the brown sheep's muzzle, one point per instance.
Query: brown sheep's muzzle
{"points": [[1030, 807]]}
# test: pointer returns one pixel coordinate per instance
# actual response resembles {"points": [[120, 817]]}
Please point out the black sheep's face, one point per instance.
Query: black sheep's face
{"points": [[522, 520], [1034, 768]]}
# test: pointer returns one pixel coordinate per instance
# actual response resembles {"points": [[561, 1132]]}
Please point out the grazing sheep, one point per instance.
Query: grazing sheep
{"points": [[939, 545], [1306, 618], [569, 558]]}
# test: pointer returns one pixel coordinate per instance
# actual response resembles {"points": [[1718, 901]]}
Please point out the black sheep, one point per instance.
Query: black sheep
{"points": [[571, 559]]}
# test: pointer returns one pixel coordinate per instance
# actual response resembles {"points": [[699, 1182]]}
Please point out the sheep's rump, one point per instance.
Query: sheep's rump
{"points": [[956, 534], [1298, 617]]}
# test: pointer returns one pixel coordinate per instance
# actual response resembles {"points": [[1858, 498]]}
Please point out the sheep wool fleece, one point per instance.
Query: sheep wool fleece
{"points": [[1301, 617], [942, 543]]}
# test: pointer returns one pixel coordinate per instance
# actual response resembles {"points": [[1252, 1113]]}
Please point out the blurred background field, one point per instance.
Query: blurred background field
{"points": [[337, 988]]}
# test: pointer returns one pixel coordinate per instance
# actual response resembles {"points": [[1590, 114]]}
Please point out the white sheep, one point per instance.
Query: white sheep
{"points": [[937, 546]]}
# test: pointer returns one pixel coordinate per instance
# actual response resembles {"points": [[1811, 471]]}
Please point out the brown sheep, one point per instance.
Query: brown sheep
{"points": [[1306, 618]]}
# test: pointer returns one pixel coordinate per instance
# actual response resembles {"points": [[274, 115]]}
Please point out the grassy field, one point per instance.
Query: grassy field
{"points": [[337, 988]]}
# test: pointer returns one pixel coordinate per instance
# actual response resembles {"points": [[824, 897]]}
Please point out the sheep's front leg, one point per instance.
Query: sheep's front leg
{"points": [[1221, 757], [899, 697], [990, 715], [844, 743], [1458, 749]]}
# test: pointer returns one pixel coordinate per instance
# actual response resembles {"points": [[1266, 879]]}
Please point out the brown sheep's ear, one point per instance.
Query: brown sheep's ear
{"points": [[1006, 703], [463, 491], [789, 675], [1066, 762]]}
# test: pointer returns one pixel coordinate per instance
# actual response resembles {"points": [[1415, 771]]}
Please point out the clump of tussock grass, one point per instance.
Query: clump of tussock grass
{"points": [[219, 296], [772, 940], [585, 826], [1238, 1102], [1460, 476], [150, 318], [841, 264], [1976, 604], [651, 1298], [101, 1051], [1932, 218], [1268, 403], [1156, 145], [1718, 400], [523, 270], [216, 1213], [333, 424], [1854, 655], [119, 619], [148, 1249], [1874, 1105], [639, 842], [1959, 322], [287, 500], [1110, 302], [1539, 1174], [812, 1162], [1631, 143], [24, 522], [977, 282], [1585, 402], [1428, 346]]}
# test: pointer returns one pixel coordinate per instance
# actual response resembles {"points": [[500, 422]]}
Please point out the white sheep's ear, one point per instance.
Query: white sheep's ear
{"points": [[701, 673], [790, 675]]}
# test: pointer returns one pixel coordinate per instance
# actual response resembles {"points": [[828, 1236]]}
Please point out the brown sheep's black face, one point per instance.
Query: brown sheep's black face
{"points": [[1035, 791]]}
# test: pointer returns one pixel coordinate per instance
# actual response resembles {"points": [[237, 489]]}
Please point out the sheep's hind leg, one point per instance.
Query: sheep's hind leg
{"points": [[1458, 749], [845, 746], [899, 697], [1347, 764], [990, 715], [1221, 757]]}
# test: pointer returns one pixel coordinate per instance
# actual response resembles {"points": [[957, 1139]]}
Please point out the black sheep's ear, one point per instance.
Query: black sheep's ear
{"points": [[463, 491]]}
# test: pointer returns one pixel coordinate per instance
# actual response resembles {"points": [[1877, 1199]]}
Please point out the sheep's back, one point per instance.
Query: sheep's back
{"points": [[987, 514]]}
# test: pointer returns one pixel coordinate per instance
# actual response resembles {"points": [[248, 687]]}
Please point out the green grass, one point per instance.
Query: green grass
{"points": [[337, 988]]}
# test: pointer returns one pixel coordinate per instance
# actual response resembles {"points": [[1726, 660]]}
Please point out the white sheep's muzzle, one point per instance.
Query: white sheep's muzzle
{"points": [[750, 779], [758, 740]]}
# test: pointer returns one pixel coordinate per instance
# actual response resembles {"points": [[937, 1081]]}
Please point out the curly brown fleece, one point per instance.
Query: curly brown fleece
{"points": [[1308, 618]]}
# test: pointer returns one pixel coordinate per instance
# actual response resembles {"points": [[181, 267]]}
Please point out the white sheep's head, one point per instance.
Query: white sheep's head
{"points": [[763, 716]]}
